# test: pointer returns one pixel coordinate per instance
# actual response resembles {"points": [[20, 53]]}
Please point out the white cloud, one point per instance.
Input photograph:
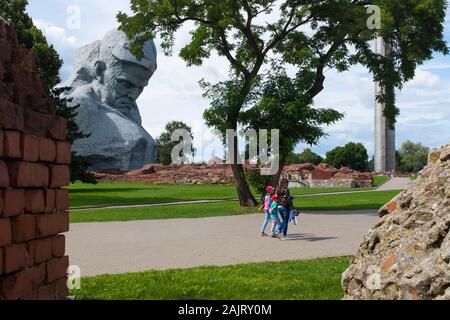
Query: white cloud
{"points": [[56, 35], [423, 80]]}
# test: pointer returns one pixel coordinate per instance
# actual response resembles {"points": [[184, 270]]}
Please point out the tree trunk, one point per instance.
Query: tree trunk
{"points": [[246, 197], [276, 178]]}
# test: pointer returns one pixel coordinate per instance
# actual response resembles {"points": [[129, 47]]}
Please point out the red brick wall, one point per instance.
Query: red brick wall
{"points": [[34, 165]]}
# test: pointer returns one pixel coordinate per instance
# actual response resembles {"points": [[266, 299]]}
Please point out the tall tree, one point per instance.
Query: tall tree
{"points": [[352, 155], [306, 156], [283, 103], [413, 157], [48, 64], [312, 35], [165, 145]]}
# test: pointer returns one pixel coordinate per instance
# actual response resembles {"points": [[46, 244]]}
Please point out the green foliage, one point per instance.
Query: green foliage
{"points": [[79, 166], [352, 155], [307, 156], [68, 113], [308, 36], [414, 28], [165, 144], [412, 157], [79, 170], [258, 181], [371, 165], [48, 64], [284, 104]]}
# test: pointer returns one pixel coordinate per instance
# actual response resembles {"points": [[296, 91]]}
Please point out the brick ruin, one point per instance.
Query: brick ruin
{"points": [[34, 166], [299, 175]]}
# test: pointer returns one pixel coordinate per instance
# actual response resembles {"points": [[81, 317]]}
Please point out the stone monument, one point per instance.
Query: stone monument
{"points": [[384, 134], [106, 82]]}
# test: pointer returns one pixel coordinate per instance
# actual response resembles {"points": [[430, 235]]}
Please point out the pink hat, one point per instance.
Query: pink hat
{"points": [[269, 189]]}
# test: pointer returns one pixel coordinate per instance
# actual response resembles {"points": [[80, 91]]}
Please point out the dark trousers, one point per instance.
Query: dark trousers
{"points": [[285, 223]]}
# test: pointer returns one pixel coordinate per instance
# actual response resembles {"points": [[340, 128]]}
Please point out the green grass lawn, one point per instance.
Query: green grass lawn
{"points": [[229, 208], [303, 191], [367, 200], [318, 279], [379, 180], [110, 194], [350, 201]]}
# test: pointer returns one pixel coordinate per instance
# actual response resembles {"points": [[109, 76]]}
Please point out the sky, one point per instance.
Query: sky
{"points": [[173, 92]]}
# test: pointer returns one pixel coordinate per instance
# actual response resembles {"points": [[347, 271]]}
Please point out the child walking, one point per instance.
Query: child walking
{"points": [[266, 202], [274, 213]]}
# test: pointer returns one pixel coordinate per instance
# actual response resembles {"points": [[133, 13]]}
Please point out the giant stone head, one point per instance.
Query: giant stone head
{"points": [[106, 82], [117, 75]]}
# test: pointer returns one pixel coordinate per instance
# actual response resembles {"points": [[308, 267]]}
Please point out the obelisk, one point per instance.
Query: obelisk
{"points": [[384, 134]]}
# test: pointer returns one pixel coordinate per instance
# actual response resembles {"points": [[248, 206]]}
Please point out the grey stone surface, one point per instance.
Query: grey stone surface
{"points": [[406, 254], [216, 241], [384, 160], [106, 82]]}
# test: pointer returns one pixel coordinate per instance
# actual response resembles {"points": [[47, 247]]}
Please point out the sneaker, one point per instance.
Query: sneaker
{"points": [[284, 239], [274, 236], [264, 234]]}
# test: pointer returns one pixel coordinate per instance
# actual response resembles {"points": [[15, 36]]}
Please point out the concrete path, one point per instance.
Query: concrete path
{"points": [[395, 184], [119, 247]]}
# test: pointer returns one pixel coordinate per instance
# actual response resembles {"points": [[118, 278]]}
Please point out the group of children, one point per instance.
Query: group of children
{"points": [[276, 206]]}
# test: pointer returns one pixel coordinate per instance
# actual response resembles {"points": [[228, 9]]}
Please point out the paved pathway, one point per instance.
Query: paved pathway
{"points": [[119, 247], [395, 184]]}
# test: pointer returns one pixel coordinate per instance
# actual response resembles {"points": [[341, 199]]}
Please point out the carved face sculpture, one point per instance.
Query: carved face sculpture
{"points": [[121, 77], [121, 84]]}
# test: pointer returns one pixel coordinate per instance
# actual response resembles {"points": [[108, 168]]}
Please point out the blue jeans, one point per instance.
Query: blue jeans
{"points": [[266, 221], [285, 223]]}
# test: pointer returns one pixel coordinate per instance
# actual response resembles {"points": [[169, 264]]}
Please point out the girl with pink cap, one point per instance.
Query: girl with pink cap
{"points": [[267, 201]]}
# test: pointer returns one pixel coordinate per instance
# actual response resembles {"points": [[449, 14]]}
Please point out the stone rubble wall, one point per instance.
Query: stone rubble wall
{"points": [[299, 176], [34, 166], [406, 255]]}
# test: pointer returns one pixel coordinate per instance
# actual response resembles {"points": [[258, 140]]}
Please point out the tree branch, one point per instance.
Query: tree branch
{"points": [[227, 52], [317, 86], [247, 31], [286, 30]]}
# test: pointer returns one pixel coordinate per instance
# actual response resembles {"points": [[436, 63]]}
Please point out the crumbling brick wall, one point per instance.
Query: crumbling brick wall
{"points": [[34, 165]]}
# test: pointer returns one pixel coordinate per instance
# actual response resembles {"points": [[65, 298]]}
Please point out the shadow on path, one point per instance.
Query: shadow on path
{"points": [[308, 237]]}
